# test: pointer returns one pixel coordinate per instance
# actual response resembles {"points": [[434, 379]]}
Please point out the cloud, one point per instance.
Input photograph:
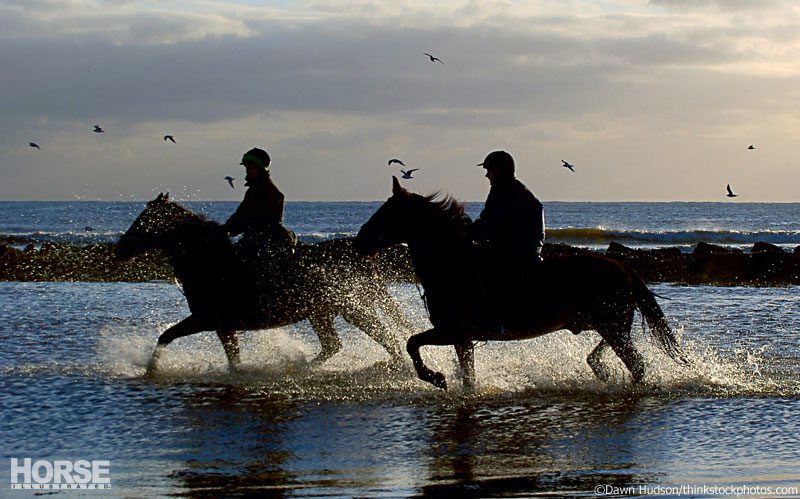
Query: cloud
{"points": [[336, 80], [731, 5]]}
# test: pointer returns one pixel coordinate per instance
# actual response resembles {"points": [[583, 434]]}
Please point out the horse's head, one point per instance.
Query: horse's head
{"points": [[388, 225], [159, 216]]}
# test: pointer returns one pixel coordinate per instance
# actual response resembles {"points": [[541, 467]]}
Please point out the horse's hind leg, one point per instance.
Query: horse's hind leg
{"points": [[328, 339], [371, 324], [466, 359], [595, 361], [619, 337], [429, 337], [231, 345], [187, 326]]}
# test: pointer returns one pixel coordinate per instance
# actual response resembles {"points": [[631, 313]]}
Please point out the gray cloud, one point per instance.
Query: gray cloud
{"points": [[364, 84]]}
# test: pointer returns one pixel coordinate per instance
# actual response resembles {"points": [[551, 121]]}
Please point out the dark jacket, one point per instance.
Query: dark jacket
{"points": [[512, 221], [260, 210]]}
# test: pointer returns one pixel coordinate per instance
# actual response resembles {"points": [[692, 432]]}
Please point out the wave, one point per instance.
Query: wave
{"points": [[576, 236], [78, 238], [84, 238]]}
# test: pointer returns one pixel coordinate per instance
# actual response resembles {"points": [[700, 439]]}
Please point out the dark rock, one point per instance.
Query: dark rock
{"points": [[708, 264], [766, 248], [713, 249], [619, 249], [559, 249]]}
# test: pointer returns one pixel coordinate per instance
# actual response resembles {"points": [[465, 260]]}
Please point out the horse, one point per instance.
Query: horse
{"points": [[322, 281], [577, 293]]}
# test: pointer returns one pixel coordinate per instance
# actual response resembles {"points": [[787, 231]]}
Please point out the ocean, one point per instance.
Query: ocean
{"points": [[73, 355], [592, 225]]}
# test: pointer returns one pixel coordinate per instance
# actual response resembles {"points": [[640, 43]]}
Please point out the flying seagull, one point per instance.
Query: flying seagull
{"points": [[751, 147], [730, 192], [407, 174], [230, 181], [169, 137], [433, 58], [97, 129], [396, 161], [34, 144], [567, 165]]}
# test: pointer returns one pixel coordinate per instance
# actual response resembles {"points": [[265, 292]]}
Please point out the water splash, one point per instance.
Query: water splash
{"points": [[277, 362]]}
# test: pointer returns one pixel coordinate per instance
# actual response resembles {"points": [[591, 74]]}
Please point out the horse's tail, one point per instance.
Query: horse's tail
{"points": [[657, 322]]}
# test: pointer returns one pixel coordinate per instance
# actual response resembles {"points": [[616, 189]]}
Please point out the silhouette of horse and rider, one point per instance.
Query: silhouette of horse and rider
{"points": [[267, 279], [483, 280]]}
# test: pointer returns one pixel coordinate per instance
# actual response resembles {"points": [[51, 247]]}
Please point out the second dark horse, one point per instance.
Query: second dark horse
{"points": [[577, 293], [324, 280]]}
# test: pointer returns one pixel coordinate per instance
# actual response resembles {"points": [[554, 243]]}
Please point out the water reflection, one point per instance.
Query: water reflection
{"points": [[242, 440], [501, 447], [234, 443]]}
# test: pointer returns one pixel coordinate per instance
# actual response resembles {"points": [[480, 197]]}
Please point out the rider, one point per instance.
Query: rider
{"points": [[510, 227], [266, 244]]}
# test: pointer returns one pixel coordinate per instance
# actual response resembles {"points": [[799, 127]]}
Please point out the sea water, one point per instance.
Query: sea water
{"points": [[592, 225], [73, 356]]}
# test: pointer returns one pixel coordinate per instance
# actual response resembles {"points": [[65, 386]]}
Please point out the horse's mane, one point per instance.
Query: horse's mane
{"points": [[197, 223], [450, 208], [190, 215]]}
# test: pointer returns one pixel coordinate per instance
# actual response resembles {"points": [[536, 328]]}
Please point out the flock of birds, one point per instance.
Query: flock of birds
{"points": [[406, 174]]}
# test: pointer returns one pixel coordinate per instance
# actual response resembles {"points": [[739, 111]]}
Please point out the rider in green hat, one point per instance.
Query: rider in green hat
{"points": [[266, 243]]}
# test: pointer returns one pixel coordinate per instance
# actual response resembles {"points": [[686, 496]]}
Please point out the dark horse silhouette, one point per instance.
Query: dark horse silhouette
{"points": [[577, 293], [322, 281]]}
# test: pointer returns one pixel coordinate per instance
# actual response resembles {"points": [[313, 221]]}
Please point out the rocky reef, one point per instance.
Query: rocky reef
{"points": [[64, 262], [763, 265]]}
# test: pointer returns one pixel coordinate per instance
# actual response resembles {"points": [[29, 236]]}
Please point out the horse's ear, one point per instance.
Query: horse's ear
{"points": [[166, 196], [396, 187], [159, 197]]}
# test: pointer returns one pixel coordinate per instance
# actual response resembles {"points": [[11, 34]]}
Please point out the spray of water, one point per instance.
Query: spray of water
{"points": [[277, 361]]}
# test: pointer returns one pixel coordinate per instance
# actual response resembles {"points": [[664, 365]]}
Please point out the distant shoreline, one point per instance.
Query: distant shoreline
{"points": [[764, 265]]}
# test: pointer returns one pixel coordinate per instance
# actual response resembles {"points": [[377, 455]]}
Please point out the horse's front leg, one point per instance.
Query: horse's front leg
{"points": [[328, 339], [429, 337], [466, 359], [187, 326], [231, 345]]}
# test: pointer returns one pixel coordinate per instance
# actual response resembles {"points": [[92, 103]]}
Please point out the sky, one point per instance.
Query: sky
{"points": [[650, 100]]}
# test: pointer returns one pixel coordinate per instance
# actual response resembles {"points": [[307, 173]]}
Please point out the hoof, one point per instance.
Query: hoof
{"points": [[439, 381], [317, 361]]}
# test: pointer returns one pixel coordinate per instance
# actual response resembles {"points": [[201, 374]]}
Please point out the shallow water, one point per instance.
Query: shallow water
{"points": [[71, 387]]}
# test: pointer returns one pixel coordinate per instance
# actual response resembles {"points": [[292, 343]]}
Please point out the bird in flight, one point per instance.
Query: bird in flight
{"points": [[396, 161], [170, 138], [433, 58], [568, 165], [751, 147], [230, 181], [730, 192], [34, 144], [97, 129], [407, 174]]}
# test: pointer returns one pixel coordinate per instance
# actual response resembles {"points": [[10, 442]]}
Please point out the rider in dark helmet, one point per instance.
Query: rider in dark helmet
{"points": [[510, 229], [266, 243]]}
